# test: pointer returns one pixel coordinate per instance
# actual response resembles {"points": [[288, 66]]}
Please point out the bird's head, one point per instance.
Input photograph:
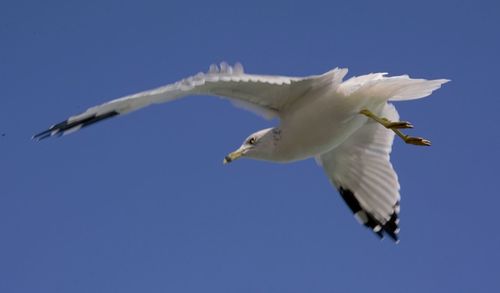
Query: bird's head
{"points": [[259, 145]]}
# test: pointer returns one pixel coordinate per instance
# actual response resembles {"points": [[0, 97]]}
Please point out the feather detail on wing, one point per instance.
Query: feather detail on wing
{"points": [[361, 171], [264, 94]]}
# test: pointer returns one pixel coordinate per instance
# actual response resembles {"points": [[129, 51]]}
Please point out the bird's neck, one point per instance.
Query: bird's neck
{"points": [[276, 134]]}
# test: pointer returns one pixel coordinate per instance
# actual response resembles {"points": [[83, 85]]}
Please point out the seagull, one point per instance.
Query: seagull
{"points": [[348, 127]]}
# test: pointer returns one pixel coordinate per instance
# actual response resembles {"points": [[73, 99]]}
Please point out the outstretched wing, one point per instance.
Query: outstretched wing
{"points": [[361, 171], [266, 95]]}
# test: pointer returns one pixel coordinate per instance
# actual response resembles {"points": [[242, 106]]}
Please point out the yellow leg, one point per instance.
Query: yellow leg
{"points": [[395, 126]]}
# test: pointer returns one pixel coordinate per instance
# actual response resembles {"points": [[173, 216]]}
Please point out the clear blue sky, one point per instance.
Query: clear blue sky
{"points": [[142, 203]]}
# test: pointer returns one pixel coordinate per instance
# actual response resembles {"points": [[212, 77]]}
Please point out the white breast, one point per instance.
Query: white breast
{"points": [[316, 126]]}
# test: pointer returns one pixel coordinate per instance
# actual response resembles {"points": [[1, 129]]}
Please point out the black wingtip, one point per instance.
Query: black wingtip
{"points": [[52, 131], [389, 228], [66, 127]]}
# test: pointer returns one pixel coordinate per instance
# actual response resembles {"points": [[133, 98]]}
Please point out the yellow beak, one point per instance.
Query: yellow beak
{"points": [[233, 156]]}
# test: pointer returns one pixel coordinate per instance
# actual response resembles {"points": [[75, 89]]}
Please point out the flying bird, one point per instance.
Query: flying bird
{"points": [[347, 126]]}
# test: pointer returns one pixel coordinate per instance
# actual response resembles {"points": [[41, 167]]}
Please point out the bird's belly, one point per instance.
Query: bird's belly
{"points": [[316, 130]]}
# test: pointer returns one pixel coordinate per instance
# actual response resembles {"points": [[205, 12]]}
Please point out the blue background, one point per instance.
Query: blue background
{"points": [[142, 203]]}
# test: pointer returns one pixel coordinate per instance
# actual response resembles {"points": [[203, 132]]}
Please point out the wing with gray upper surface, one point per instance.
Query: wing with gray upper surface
{"points": [[263, 94], [361, 171]]}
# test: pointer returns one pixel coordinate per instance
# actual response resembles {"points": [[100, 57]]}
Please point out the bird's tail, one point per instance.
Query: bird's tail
{"points": [[405, 88], [393, 88]]}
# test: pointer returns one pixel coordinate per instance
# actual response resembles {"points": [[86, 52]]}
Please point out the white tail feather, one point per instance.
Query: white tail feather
{"points": [[410, 89], [394, 88]]}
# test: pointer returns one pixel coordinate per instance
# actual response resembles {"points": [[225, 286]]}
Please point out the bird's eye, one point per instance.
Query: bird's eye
{"points": [[251, 141]]}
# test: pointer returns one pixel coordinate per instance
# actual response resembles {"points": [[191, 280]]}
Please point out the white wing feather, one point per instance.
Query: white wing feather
{"points": [[263, 94], [361, 170]]}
